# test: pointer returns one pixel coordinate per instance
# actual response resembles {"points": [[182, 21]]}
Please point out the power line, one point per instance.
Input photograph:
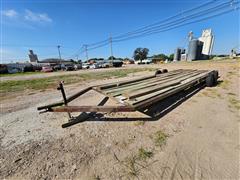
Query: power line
{"points": [[169, 18], [199, 20], [172, 22], [180, 20]]}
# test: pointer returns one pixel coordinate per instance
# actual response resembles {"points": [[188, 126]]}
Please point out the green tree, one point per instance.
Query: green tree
{"points": [[171, 56], [140, 54], [160, 56], [111, 57]]}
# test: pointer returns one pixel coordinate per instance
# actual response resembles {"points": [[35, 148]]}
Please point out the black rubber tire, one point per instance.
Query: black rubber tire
{"points": [[164, 71], [158, 72], [210, 80], [215, 77]]}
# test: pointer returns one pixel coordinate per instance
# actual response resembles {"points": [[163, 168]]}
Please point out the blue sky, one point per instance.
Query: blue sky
{"points": [[42, 25]]}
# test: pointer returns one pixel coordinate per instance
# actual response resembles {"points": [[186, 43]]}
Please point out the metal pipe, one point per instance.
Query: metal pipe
{"points": [[61, 88]]}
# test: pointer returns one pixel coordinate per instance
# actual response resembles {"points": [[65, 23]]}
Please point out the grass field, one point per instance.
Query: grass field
{"points": [[21, 74], [51, 82]]}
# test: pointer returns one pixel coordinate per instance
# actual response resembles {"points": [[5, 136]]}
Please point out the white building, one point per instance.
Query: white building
{"points": [[208, 39]]}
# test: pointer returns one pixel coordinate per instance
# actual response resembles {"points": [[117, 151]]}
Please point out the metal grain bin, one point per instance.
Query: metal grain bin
{"points": [[192, 50], [177, 54]]}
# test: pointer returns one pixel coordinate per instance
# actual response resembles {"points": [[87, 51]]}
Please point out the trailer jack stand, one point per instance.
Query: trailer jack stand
{"points": [[61, 88]]}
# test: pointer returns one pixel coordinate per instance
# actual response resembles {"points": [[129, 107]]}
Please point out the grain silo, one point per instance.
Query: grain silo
{"points": [[177, 54], [194, 50], [208, 40]]}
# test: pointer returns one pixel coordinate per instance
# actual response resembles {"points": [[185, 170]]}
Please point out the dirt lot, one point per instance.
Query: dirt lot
{"points": [[198, 138]]}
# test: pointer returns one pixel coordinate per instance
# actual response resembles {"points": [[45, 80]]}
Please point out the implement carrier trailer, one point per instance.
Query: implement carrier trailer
{"points": [[135, 94]]}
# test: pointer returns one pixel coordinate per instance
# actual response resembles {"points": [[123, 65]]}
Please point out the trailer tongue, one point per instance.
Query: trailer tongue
{"points": [[135, 94]]}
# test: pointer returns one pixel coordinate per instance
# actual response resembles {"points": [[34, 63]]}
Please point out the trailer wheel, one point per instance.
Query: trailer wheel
{"points": [[164, 71], [210, 80], [215, 77], [158, 72]]}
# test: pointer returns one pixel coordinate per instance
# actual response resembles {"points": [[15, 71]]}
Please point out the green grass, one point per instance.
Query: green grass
{"points": [[212, 93], [132, 168], [234, 103], [144, 154], [231, 94], [139, 123], [225, 84], [51, 82], [133, 164], [160, 138], [20, 74]]}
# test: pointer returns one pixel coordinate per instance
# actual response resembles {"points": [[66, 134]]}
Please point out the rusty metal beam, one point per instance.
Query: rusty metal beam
{"points": [[68, 99], [92, 109], [74, 96]]}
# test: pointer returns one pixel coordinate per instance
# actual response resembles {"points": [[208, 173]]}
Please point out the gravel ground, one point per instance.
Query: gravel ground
{"points": [[196, 139]]}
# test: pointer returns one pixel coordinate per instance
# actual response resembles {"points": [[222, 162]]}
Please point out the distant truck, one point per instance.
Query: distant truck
{"points": [[117, 63]]}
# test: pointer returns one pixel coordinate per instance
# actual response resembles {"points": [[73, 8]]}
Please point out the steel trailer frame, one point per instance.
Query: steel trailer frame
{"points": [[137, 93]]}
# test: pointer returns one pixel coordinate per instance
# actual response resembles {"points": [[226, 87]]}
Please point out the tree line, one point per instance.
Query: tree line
{"points": [[140, 54]]}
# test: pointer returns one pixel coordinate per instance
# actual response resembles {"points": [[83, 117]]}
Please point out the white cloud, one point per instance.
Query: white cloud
{"points": [[36, 17], [11, 13]]}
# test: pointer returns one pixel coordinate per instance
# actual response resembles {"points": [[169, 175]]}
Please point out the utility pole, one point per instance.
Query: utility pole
{"points": [[59, 53], [86, 50], [110, 40]]}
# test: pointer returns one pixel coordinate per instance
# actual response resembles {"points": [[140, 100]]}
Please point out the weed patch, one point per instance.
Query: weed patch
{"points": [[225, 84], [234, 103], [212, 93], [134, 164], [160, 138], [139, 123], [231, 94], [144, 154]]}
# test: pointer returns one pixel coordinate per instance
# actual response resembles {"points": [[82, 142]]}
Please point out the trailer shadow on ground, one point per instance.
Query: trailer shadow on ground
{"points": [[154, 112]]}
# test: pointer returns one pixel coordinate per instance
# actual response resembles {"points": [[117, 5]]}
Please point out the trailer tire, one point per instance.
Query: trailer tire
{"points": [[210, 80], [164, 71], [215, 77], [158, 72]]}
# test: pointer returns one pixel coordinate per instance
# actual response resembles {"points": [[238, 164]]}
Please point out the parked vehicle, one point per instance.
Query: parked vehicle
{"points": [[69, 67], [117, 63], [105, 64], [94, 66], [37, 67], [57, 67], [3, 69], [13, 70], [77, 66], [85, 65], [147, 61], [47, 69]]}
